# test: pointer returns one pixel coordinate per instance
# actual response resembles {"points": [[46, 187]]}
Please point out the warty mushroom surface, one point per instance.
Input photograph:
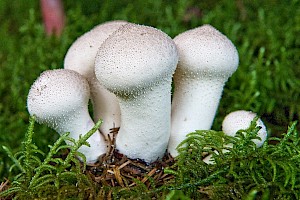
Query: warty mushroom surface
{"points": [[59, 98], [137, 63], [237, 121], [81, 58], [207, 58]]}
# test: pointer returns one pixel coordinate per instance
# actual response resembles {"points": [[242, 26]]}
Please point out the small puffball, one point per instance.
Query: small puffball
{"points": [[241, 120], [59, 98]]}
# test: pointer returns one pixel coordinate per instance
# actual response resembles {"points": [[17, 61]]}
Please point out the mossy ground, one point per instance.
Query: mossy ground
{"points": [[266, 34]]}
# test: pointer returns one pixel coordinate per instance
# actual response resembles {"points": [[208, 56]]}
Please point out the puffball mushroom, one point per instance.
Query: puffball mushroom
{"points": [[137, 63], [81, 58], [241, 120], [207, 58], [59, 98]]}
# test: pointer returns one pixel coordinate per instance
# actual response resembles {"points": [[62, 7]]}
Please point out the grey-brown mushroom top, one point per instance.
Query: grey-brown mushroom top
{"points": [[206, 50], [57, 94], [135, 57]]}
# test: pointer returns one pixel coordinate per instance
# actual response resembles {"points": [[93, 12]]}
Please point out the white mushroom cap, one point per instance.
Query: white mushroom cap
{"points": [[142, 54], [136, 63], [59, 98], [205, 52], [81, 58], [207, 58], [241, 120]]}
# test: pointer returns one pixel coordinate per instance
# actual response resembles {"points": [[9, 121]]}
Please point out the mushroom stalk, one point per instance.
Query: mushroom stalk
{"points": [[210, 161], [105, 106], [200, 96], [185, 117], [207, 59], [79, 123], [147, 122]]}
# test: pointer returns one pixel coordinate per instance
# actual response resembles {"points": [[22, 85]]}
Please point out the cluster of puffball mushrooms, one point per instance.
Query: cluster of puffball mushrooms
{"points": [[126, 71]]}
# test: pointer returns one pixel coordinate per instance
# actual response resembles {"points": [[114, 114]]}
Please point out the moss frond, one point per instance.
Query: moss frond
{"points": [[52, 172], [240, 171]]}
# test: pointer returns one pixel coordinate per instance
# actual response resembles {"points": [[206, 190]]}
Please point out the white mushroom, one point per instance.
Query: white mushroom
{"points": [[136, 63], [207, 59], [241, 120], [59, 98], [81, 58]]}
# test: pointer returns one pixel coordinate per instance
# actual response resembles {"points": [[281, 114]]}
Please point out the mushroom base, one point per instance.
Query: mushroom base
{"points": [[194, 106]]}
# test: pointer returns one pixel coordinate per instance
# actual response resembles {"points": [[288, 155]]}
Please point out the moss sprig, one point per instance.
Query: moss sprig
{"points": [[240, 170], [54, 175]]}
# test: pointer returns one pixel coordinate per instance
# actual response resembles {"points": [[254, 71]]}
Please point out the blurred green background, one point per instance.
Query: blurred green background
{"points": [[266, 34]]}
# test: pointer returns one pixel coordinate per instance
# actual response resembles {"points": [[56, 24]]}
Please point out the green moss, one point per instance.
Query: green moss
{"points": [[265, 33], [244, 171], [50, 176]]}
